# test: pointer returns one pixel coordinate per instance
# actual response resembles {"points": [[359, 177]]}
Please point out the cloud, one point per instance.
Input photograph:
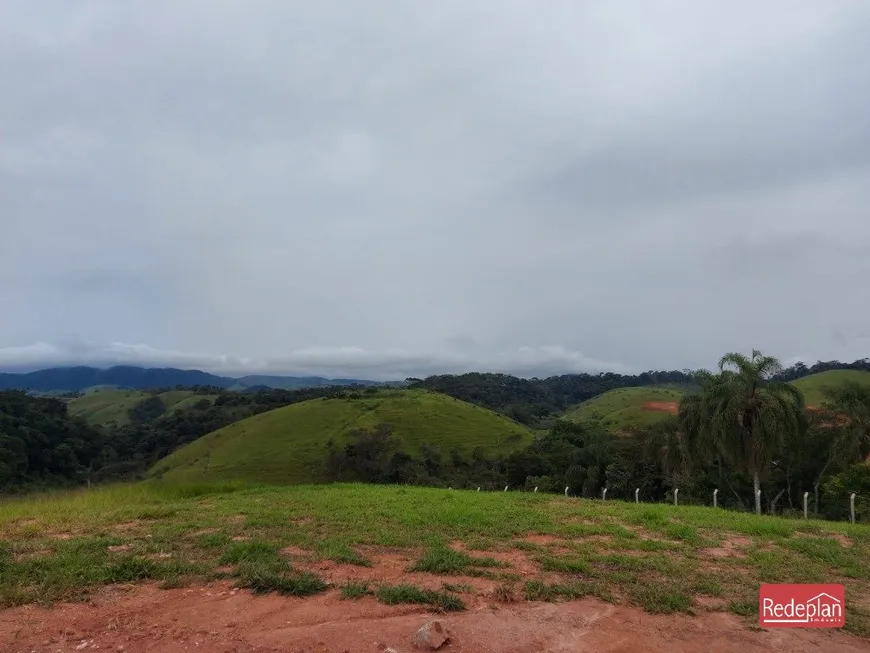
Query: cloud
{"points": [[440, 184]]}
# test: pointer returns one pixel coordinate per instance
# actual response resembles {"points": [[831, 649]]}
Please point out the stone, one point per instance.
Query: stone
{"points": [[431, 636]]}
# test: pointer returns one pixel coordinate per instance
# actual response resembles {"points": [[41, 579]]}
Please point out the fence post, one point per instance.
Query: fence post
{"points": [[676, 492], [536, 488], [566, 490], [636, 495], [603, 494], [852, 507], [478, 488], [715, 498], [505, 488], [806, 497]]}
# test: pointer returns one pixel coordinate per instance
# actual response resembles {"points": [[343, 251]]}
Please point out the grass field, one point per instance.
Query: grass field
{"points": [[656, 556], [104, 406], [813, 386], [288, 445], [623, 408]]}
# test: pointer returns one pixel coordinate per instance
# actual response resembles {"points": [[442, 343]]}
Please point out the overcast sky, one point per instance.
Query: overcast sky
{"points": [[393, 188]]}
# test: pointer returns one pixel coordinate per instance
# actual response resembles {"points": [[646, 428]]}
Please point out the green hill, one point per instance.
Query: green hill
{"points": [[813, 386], [624, 408], [103, 406], [288, 445]]}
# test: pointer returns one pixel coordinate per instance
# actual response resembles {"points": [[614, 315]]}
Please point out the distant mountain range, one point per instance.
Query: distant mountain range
{"points": [[76, 379]]}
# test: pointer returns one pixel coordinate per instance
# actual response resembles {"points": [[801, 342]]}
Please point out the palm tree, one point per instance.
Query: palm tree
{"points": [[744, 414]]}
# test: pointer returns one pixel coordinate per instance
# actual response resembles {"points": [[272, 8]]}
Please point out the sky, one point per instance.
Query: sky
{"points": [[388, 189]]}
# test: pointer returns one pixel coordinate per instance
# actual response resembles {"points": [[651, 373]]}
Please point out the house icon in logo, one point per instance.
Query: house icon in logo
{"points": [[824, 608]]}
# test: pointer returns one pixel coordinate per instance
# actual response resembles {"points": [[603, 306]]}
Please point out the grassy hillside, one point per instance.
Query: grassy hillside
{"points": [[625, 408], [530, 546], [813, 385], [288, 445], [103, 406]]}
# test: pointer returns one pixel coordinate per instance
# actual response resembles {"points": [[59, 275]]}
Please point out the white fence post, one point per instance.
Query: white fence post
{"points": [[536, 488], [478, 488], [676, 494], [505, 488], [603, 494], [715, 498], [637, 495], [852, 508], [566, 490], [806, 497]]}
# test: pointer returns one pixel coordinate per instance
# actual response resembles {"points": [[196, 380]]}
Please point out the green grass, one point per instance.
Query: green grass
{"points": [[444, 560], [623, 408], [398, 594], [654, 556], [101, 407], [355, 590], [288, 445], [813, 386]]}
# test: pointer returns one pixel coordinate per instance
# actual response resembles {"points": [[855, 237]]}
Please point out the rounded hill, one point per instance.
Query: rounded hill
{"points": [[626, 408], [289, 444], [813, 386], [103, 406]]}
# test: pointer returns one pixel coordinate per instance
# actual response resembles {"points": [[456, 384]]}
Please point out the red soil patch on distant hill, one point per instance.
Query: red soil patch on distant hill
{"points": [[662, 406]]}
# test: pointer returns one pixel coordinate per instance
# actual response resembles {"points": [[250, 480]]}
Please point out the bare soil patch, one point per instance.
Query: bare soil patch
{"points": [[544, 540], [649, 535], [732, 547], [391, 568], [218, 619], [61, 536], [662, 406], [844, 540], [711, 603], [295, 552]]}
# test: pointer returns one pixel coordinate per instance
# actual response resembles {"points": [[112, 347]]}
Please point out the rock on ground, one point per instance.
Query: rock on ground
{"points": [[431, 636]]}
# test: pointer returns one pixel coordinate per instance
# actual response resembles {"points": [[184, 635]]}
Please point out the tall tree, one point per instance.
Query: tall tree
{"points": [[745, 414], [849, 404]]}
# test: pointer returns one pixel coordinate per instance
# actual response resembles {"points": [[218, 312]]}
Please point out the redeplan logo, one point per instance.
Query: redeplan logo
{"points": [[801, 606]]}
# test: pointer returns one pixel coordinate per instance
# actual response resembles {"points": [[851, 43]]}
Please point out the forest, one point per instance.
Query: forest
{"points": [[743, 429]]}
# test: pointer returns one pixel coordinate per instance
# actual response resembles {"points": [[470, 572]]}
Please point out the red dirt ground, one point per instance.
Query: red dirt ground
{"points": [[662, 406], [218, 619]]}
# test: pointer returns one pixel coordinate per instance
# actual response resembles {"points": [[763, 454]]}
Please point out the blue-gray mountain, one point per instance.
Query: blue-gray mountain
{"points": [[76, 379]]}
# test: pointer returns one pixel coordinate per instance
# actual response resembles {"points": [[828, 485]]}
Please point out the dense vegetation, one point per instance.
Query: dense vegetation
{"points": [[738, 430], [538, 401], [43, 445]]}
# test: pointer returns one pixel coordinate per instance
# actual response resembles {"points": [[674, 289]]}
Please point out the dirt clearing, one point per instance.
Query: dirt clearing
{"points": [[662, 406], [218, 619]]}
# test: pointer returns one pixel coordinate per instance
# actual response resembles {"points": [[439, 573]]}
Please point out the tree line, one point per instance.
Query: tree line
{"points": [[744, 431], [538, 402]]}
